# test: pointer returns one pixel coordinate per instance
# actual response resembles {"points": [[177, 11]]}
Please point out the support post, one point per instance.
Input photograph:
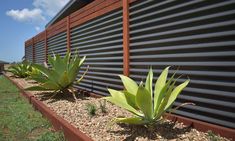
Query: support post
{"points": [[25, 45], [68, 34], [125, 5], [33, 50], [45, 43]]}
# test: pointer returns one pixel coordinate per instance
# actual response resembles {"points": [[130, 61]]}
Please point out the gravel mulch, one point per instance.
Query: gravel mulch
{"points": [[101, 128]]}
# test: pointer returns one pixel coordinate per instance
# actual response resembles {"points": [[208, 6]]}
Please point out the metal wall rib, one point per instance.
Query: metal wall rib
{"points": [[199, 37], [29, 53], [101, 41], [40, 52], [57, 44]]}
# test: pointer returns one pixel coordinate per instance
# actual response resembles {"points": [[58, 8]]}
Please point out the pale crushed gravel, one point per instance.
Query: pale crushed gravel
{"points": [[101, 128]]}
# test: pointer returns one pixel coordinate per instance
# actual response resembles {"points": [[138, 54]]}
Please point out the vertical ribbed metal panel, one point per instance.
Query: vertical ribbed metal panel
{"points": [[40, 52], [198, 36], [57, 44], [29, 53], [101, 41]]}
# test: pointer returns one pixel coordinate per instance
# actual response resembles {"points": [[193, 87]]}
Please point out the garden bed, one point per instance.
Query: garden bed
{"points": [[100, 126]]}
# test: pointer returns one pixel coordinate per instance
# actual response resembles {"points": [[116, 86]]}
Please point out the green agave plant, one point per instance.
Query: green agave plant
{"points": [[60, 76], [148, 106], [21, 70]]}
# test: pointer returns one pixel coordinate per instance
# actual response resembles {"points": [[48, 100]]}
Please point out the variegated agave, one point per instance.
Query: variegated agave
{"points": [[61, 74], [146, 105]]}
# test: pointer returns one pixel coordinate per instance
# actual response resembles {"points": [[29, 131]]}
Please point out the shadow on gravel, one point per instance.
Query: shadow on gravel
{"points": [[59, 96], [166, 130]]}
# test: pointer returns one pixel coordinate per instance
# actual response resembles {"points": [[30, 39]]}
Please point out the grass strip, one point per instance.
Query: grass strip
{"points": [[19, 121]]}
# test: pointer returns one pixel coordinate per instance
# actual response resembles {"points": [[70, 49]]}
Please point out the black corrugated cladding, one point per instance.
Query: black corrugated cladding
{"points": [[57, 44], [29, 53], [40, 52], [101, 41], [198, 36]]}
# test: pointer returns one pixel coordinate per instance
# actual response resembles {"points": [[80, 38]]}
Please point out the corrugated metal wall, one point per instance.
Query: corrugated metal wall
{"points": [[57, 44], [40, 52], [199, 37], [101, 41], [29, 53]]}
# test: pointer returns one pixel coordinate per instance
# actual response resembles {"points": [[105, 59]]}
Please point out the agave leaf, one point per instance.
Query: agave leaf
{"points": [[72, 61], [149, 81], [129, 84], [72, 73], [50, 74], [59, 65], [64, 80], [51, 61], [42, 69], [83, 75], [36, 88], [38, 78], [119, 99], [82, 60], [175, 93], [181, 105], [163, 94], [51, 85], [75, 68], [130, 99], [66, 59], [161, 81], [132, 120], [144, 102], [164, 101]]}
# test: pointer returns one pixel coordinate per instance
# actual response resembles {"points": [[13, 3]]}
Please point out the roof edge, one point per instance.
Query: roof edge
{"points": [[60, 13]]}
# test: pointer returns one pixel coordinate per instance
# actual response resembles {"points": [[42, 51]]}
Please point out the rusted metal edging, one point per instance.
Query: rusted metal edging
{"points": [[203, 126], [71, 133]]}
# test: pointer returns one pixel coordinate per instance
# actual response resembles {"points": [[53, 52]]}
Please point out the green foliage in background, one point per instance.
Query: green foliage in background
{"points": [[147, 105], [20, 70]]}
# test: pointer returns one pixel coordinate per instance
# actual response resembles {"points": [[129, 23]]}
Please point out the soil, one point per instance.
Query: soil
{"points": [[100, 126]]}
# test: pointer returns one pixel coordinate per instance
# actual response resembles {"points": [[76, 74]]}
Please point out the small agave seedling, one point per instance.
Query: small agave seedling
{"points": [[91, 108], [60, 76], [146, 105]]}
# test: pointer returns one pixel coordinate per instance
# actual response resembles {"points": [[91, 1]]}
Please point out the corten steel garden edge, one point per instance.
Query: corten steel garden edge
{"points": [[70, 132]]}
